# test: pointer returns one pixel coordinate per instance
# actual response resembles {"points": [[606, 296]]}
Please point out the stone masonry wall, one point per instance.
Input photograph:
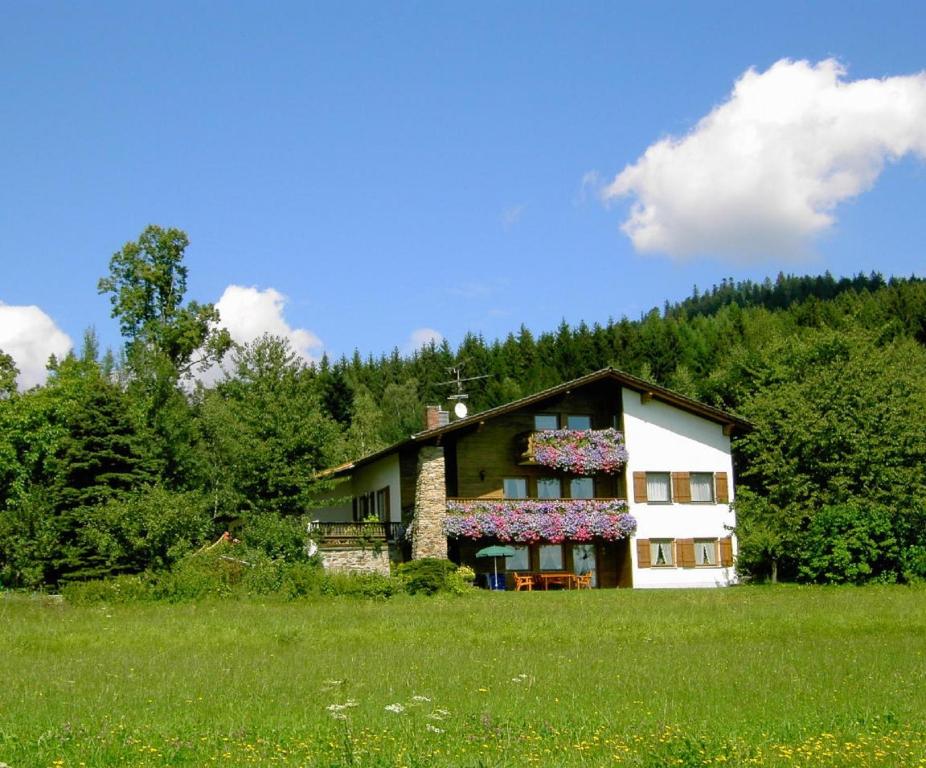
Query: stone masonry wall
{"points": [[356, 560], [428, 539]]}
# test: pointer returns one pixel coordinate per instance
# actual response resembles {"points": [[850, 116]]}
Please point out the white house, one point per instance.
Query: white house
{"points": [[607, 476]]}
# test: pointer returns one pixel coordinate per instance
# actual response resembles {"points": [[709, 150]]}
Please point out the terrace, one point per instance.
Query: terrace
{"points": [[355, 534]]}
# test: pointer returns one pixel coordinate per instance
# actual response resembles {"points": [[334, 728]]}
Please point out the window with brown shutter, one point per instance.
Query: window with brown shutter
{"points": [[723, 493], [643, 553], [686, 553], [639, 486], [681, 487], [726, 552]]}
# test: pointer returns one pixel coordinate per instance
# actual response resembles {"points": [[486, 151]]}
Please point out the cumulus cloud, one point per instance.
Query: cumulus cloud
{"points": [[248, 313], [762, 174], [30, 336], [422, 337], [512, 215]]}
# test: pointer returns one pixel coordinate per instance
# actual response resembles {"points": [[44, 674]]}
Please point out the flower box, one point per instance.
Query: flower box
{"points": [[580, 451], [524, 521]]}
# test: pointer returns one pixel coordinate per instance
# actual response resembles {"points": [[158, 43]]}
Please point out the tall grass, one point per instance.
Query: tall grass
{"points": [[791, 676]]}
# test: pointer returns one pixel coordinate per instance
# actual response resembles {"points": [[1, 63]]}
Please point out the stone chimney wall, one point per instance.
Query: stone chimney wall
{"points": [[431, 417], [428, 539]]}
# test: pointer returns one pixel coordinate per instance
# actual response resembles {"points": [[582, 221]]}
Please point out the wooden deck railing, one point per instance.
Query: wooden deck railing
{"points": [[356, 534]]}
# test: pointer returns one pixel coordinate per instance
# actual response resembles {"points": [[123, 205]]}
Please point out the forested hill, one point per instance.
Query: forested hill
{"points": [[119, 464], [692, 346], [781, 293]]}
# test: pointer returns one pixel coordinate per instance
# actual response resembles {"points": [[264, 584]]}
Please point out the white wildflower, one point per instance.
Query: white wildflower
{"points": [[434, 729], [420, 698], [396, 708]]}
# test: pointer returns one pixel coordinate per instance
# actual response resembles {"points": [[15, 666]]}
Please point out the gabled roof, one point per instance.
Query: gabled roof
{"points": [[646, 388]]}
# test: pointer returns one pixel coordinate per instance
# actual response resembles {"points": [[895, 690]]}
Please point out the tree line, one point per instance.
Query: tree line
{"points": [[123, 462]]}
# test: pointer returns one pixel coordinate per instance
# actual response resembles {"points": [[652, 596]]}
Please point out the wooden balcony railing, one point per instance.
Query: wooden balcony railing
{"points": [[355, 534]]}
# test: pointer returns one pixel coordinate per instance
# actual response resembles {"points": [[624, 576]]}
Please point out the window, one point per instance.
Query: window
{"points": [[520, 560], [578, 421], [658, 488], [702, 487], [661, 552], [515, 487], [549, 488], [551, 557], [705, 551], [583, 561], [382, 504], [546, 421], [582, 488]]}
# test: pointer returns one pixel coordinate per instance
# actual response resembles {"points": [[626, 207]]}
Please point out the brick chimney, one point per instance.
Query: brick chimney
{"points": [[435, 416], [431, 417]]}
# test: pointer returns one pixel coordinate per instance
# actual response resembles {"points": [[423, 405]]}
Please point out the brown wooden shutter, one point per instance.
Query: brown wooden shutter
{"points": [[639, 486], [643, 554], [723, 492], [681, 487], [726, 552], [685, 551]]}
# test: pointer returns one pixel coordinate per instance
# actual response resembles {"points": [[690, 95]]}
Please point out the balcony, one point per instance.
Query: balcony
{"points": [[579, 451], [359, 534], [532, 520]]}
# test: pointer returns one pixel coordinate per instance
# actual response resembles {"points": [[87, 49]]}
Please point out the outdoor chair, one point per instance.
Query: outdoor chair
{"points": [[523, 582], [584, 581]]}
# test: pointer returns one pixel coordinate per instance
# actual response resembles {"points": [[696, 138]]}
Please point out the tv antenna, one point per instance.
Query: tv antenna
{"points": [[459, 397]]}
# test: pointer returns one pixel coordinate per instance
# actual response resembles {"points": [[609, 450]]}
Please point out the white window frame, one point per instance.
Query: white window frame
{"points": [[699, 544], [668, 553], [667, 477], [707, 478]]}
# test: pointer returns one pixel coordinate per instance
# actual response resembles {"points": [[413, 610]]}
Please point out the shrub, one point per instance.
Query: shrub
{"points": [[428, 575], [277, 537], [849, 543], [118, 589]]}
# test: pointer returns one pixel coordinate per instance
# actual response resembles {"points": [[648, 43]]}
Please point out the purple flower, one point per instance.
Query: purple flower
{"points": [[530, 520], [581, 451]]}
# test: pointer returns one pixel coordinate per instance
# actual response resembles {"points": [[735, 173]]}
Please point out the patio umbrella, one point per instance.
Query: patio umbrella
{"points": [[496, 551]]}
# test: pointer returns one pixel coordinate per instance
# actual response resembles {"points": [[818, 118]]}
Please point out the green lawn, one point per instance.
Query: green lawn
{"points": [[742, 676]]}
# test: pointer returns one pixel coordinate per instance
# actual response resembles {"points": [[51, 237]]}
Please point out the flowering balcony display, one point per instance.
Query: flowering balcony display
{"points": [[581, 451], [524, 521]]}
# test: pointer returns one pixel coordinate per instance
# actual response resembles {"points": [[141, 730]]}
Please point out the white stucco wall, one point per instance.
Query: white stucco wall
{"points": [[662, 438], [335, 505], [376, 476]]}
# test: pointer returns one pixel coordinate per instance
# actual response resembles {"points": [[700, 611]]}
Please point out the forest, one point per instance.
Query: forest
{"points": [[123, 461]]}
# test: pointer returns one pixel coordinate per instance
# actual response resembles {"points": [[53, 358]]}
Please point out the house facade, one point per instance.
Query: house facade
{"points": [[607, 476]]}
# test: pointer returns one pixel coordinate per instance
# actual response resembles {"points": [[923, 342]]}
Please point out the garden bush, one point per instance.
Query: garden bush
{"points": [[430, 575]]}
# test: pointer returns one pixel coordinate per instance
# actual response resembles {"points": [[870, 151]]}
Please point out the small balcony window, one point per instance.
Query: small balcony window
{"points": [[549, 488], [579, 421], [515, 487], [546, 421], [582, 488]]}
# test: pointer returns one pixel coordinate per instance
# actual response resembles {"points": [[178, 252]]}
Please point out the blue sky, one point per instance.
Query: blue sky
{"points": [[365, 171]]}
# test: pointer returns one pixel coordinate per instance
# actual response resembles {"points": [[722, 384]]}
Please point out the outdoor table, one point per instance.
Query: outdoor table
{"points": [[563, 578]]}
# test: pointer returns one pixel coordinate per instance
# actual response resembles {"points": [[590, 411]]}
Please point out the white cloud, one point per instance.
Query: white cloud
{"points": [[761, 174], [422, 337], [512, 215], [249, 313], [30, 336]]}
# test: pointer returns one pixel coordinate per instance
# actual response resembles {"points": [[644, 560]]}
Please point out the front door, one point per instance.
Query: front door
{"points": [[584, 561]]}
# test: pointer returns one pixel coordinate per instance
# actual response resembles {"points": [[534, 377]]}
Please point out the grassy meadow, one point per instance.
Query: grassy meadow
{"points": [[742, 676]]}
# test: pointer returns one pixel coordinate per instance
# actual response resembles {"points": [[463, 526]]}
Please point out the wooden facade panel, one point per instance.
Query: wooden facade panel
{"points": [[486, 456]]}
